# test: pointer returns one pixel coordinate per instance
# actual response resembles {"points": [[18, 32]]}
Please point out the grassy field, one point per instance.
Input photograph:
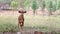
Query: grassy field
{"points": [[45, 23]]}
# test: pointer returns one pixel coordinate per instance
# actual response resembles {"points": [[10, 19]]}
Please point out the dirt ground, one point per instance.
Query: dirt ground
{"points": [[29, 12]]}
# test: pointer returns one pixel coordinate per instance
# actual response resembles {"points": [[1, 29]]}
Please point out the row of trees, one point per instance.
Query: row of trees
{"points": [[51, 5]]}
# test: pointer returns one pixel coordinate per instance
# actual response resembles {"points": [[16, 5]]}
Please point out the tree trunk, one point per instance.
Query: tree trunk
{"points": [[43, 11], [34, 12], [50, 13]]}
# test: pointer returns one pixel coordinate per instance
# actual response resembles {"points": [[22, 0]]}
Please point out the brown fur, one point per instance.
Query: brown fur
{"points": [[21, 18], [36, 32]]}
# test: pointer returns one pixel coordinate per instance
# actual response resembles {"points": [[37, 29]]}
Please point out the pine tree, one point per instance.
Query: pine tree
{"points": [[58, 4], [55, 6], [14, 4], [43, 6], [50, 7], [34, 6]]}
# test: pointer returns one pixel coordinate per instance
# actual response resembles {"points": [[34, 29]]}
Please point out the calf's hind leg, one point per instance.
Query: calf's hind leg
{"points": [[21, 24]]}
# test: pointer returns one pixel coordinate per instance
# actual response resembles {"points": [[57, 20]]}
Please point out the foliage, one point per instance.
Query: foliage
{"points": [[43, 4], [26, 3], [54, 7], [58, 4], [50, 5], [14, 4], [34, 5]]}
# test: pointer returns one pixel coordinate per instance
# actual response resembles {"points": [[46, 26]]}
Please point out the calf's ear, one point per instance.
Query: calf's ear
{"points": [[19, 11], [24, 11]]}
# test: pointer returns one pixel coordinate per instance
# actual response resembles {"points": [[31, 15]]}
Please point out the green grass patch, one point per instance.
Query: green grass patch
{"points": [[46, 23]]}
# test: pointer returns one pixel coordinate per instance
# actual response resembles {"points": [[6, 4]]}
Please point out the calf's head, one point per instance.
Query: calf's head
{"points": [[22, 11]]}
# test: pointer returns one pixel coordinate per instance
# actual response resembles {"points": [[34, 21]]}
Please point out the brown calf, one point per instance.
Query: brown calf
{"points": [[36, 32], [21, 18]]}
